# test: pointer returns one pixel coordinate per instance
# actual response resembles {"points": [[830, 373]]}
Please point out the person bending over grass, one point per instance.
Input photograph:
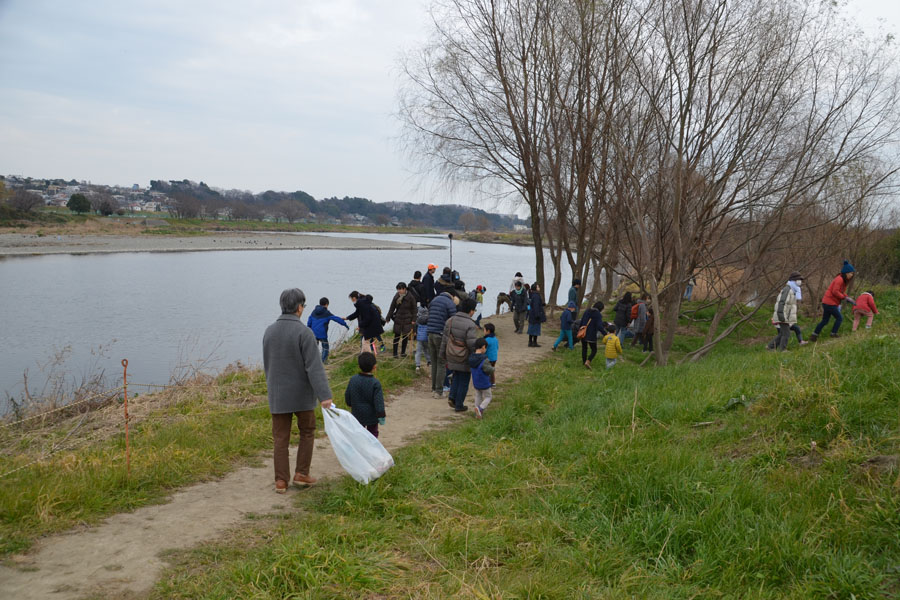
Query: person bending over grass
{"points": [[865, 306]]}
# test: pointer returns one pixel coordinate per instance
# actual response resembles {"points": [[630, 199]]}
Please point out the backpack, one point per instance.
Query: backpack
{"points": [[457, 351], [473, 295], [634, 311]]}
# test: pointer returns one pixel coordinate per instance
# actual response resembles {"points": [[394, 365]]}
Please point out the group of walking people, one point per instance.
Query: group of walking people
{"points": [[632, 319], [784, 317], [444, 320]]}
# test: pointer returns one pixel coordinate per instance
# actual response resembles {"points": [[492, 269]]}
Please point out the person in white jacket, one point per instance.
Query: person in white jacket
{"points": [[785, 314]]}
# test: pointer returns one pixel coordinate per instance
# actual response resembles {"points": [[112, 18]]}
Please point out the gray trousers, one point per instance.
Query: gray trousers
{"points": [[519, 318], [421, 348], [438, 368], [784, 334]]}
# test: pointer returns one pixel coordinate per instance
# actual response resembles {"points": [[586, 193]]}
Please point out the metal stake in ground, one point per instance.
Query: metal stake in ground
{"points": [[127, 443]]}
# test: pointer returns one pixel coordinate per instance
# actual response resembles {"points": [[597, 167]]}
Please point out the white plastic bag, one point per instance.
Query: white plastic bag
{"points": [[358, 451]]}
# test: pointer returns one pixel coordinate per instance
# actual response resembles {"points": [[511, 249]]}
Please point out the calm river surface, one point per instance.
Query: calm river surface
{"points": [[159, 310]]}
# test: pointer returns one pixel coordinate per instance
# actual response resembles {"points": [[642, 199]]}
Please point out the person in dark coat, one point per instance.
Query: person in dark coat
{"points": [[295, 379], [428, 285], [573, 294], [318, 322], [415, 286], [623, 316], [370, 325], [441, 308], [445, 283], [519, 305], [364, 395], [403, 313], [536, 315], [592, 321]]}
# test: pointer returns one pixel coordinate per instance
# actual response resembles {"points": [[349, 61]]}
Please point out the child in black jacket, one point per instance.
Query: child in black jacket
{"points": [[364, 396]]}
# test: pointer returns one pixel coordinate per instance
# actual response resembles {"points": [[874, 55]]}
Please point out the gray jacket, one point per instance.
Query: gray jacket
{"points": [[641, 319], [463, 328], [293, 364]]}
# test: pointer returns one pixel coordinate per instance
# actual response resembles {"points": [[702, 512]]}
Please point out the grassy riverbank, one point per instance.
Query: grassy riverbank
{"points": [[751, 474], [74, 470]]}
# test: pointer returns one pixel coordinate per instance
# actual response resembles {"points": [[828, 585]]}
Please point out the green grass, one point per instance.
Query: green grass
{"points": [[205, 434], [635, 482], [10, 217]]}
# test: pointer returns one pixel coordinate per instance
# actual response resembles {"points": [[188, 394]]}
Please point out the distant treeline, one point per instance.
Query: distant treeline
{"points": [[189, 199]]}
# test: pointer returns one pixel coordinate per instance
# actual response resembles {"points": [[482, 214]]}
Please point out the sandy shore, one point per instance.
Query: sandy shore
{"points": [[16, 244]]}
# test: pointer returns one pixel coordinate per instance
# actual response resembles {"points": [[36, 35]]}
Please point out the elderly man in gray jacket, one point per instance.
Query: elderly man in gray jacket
{"points": [[295, 378]]}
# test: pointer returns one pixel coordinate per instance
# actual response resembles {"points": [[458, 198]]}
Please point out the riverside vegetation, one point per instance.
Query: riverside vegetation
{"points": [[700, 479]]}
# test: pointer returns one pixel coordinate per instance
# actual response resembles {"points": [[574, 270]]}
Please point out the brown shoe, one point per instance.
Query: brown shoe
{"points": [[280, 486], [303, 480]]}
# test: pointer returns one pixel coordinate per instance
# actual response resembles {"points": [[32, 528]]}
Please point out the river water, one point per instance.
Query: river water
{"points": [[165, 310]]}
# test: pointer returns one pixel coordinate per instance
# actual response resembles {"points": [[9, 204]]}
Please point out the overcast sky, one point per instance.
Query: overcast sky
{"points": [[256, 95]]}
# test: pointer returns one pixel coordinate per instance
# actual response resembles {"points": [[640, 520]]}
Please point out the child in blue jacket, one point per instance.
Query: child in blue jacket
{"points": [[318, 322], [566, 319], [421, 337], [493, 346], [481, 370]]}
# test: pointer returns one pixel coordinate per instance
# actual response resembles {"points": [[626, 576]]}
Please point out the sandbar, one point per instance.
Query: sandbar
{"points": [[19, 244]]}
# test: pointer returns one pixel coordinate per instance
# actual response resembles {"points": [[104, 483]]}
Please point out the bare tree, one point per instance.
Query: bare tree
{"points": [[292, 210], [659, 140], [467, 220], [472, 100], [185, 206], [25, 201], [742, 114]]}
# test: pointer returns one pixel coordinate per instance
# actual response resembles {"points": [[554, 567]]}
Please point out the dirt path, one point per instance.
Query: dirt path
{"points": [[120, 558]]}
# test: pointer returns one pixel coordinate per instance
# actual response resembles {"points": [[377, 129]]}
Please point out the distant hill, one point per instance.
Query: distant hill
{"points": [[191, 199]]}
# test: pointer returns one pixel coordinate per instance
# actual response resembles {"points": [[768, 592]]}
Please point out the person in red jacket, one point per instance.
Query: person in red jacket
{"points": [[831, 301], [865, 305]]}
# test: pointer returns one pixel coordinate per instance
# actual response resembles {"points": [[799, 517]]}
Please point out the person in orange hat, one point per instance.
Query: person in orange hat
{"points": [[428, 285]]}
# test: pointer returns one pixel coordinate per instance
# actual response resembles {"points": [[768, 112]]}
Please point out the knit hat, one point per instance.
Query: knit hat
{"points": [[795, 276], [571, 305], [576, 281], [847, 268]]}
